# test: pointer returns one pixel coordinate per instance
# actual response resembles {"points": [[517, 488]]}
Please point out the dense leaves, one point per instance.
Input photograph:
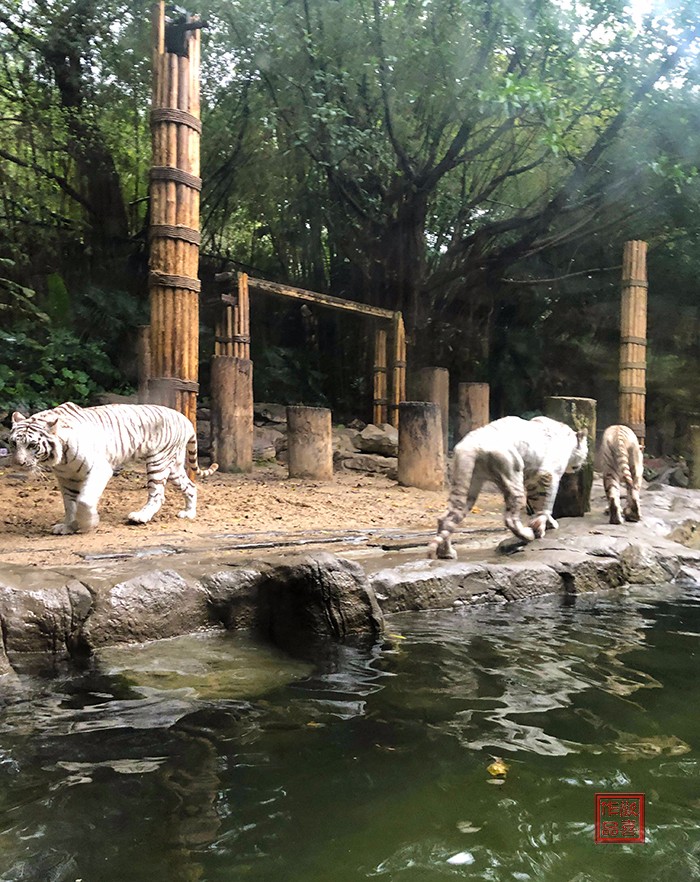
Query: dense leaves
{"points": [[477, 165]]}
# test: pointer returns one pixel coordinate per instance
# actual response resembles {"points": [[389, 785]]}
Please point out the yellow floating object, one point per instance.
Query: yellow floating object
{"points": [[498, 768], [396, 636]]}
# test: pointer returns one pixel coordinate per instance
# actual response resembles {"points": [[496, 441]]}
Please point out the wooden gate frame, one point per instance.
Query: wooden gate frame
{"points": [[232, 335]]}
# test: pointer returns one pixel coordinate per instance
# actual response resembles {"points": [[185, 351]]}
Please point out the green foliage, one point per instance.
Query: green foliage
{"points": [[16, 300], [289, 376], [40, 371]]}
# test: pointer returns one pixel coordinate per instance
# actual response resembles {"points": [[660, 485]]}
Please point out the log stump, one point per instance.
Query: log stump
{"points": [[309, 443], [574, 496], [421, 455], [232, 413], [472, 407], [695, 454], [433, 384]]}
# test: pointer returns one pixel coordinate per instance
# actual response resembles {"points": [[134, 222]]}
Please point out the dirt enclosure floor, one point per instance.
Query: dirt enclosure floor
{"points": [[232, 509]]}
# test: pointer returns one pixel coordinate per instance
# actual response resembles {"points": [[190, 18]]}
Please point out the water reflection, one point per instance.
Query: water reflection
{"points": [[215, 759]]}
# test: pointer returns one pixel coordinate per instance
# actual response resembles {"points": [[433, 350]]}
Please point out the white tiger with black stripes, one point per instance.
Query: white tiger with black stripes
{"points": [[83, 446], [622, 463], [525, 459]]}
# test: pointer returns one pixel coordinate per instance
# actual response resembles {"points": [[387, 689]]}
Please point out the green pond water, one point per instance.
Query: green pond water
{"points": [[210, 758]]}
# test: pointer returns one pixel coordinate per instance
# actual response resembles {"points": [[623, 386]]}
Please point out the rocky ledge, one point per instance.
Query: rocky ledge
{"points": [[306, 602]]}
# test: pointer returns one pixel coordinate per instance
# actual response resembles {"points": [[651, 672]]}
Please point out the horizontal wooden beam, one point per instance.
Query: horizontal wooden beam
{"points": [[321, 299]]}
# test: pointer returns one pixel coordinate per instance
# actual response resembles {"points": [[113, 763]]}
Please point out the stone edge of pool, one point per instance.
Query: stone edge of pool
{"points": [[302, 600]]}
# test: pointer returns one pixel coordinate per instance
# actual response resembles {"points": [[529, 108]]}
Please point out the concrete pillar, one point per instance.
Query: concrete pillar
{"points": [[695, 453], [574, 497], [232, 413], [310, 443], [433, 384], [472, 407], [421, 455]]}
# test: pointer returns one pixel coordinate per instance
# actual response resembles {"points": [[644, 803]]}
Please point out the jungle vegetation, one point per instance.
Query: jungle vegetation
{"points": [[477, 164]]}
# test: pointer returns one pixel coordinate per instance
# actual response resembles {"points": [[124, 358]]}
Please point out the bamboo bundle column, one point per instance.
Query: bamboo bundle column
{"points": [[379, 409], [633, 338], [143, 358], [398, 368], [232, 379], [174, 199]]}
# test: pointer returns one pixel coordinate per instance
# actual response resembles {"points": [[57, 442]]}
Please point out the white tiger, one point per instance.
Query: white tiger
{"points": [[83, 446], [514, 454], [621, 462]]}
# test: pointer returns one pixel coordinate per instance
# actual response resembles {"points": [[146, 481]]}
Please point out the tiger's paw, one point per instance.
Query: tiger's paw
{"points": [[187, 515], [62, 529], [441, 549], [138, 517], [542, 523]]}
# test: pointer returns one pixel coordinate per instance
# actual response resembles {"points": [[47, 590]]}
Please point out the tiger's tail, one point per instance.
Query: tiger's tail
{"points": [[193, 461]]}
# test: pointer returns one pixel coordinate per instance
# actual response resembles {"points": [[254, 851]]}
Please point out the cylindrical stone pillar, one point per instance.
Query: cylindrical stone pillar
{"points": [[472, 407], [695, 453], [574, 497], [433, 384], [309, 443], [421, 456], [232, 413]]}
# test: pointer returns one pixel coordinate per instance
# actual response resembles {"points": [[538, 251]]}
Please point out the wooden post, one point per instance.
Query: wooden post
{"points": [[574, 497], [310, 443], [472, 407], [232, 413], [695, 454], [174, 218], [421, 458], [379, 410], [433, 384], [633, 338], [232, 378], [143, 359], [398, 368]]}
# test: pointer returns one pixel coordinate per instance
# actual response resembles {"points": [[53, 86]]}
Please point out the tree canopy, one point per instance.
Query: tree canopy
{"points": [[477, 164]]}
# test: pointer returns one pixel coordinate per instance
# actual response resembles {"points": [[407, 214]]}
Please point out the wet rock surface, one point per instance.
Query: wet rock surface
{"points": [[302, 601]]}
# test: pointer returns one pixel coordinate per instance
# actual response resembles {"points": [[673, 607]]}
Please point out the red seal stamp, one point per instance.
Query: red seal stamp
{"points": [[619, 817]]}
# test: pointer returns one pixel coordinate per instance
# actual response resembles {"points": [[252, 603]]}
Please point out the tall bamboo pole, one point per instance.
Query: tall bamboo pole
{"points": [[380, 399], [174, 233], [398, 386], [633, 338]]}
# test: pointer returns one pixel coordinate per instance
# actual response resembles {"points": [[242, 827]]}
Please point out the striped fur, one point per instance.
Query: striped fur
{"points": [[621, 463], [525, 460], [83, 446]]}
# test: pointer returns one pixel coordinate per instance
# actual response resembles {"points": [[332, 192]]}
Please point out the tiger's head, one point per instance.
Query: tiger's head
{"points": [[579, 454], [34, 442]]}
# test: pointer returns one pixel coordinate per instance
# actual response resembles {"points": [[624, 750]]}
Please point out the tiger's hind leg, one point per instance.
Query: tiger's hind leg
{"points": [[180, 479], [157, 471], [632, 512], [466, 486], [508, 477], [612, 492]]}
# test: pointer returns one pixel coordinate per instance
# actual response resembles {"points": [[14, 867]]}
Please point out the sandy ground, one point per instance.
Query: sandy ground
{"points": [[264, 502]]}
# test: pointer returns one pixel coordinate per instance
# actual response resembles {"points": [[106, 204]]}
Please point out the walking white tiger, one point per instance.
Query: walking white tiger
{"points": [[525, 459], [621, 462], [83, 446]]}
